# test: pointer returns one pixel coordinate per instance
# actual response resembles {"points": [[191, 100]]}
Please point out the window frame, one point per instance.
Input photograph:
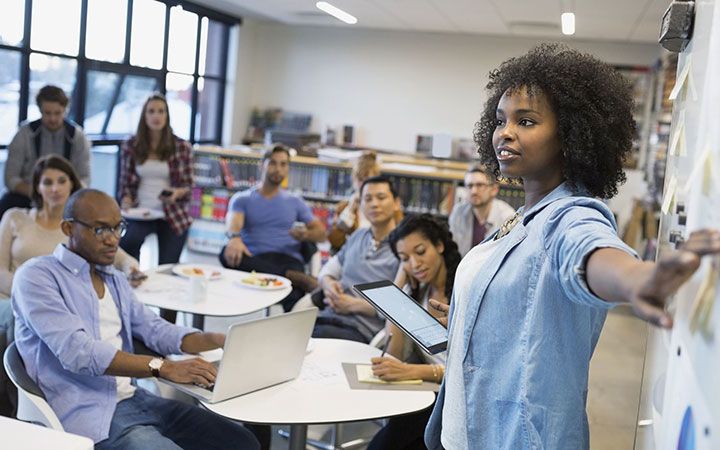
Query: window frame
{"points": [[84, 65]]}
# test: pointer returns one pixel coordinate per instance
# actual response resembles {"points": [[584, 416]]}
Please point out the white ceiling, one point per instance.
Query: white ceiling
{"points": [[606, 20]]}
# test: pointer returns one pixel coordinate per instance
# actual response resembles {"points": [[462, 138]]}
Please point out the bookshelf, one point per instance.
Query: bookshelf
{"points": [[424, 186]]}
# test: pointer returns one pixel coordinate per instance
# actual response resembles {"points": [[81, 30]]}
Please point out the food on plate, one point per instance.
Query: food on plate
{"points": [[261, 280], [197, 271]]}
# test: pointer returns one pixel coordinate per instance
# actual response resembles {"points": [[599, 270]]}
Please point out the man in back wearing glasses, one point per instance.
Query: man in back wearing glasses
{"points": [[75, 320]]}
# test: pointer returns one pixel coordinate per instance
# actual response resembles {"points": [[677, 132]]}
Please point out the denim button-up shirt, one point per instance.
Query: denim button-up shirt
{"points": [[57, 330], [529, 331]]}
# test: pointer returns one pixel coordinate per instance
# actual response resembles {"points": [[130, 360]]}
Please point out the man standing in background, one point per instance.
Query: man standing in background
{"points": [[481, 214], [51, 134]]}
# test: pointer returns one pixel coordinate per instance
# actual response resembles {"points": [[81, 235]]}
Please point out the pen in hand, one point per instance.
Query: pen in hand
{"points": [[387, 341]]}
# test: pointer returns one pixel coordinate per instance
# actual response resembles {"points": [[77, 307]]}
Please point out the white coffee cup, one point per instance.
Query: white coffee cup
{"points": [[197, 288]]}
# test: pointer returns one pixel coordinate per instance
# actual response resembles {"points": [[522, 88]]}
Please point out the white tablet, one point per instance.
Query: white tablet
{"points": [[406, 313]]}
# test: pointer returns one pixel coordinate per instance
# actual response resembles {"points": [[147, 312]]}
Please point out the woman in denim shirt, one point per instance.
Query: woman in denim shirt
{"points": [[523, 327]]}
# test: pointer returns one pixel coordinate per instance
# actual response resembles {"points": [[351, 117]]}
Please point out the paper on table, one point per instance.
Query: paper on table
{"points": [[669, 197], [365, 375]]}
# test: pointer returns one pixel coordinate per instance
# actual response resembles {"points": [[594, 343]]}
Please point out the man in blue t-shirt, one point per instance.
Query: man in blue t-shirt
{"points": [[266, 227]]}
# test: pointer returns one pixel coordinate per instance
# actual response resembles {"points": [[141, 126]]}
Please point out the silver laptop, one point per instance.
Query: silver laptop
{"points": [[258, 354]]}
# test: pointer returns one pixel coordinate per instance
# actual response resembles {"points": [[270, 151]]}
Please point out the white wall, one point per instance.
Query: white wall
{"points": [[238, 102], [390, 85]]}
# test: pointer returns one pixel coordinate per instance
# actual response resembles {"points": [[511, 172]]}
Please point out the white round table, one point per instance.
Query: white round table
{"points": [[225, 296], [16, 434], [321, 394]]}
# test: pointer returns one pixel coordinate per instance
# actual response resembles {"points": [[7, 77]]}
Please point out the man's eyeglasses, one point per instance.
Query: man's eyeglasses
{"points": [[482, 185], [117, 231]]}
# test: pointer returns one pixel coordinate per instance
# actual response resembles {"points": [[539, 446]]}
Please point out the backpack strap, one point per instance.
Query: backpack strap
{"points": [[35, 128], [69, 136]]}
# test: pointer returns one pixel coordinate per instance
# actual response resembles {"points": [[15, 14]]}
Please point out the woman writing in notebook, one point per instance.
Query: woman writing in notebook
{"points": [[428, 257]]}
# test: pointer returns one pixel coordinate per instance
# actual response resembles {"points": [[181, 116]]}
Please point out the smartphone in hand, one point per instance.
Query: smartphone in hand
{"points": [[299, 226]]}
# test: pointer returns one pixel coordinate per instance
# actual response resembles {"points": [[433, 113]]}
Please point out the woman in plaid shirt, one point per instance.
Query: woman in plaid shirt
{"points": [[155, 183]]}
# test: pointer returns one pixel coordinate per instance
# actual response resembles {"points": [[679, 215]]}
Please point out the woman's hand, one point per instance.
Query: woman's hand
{"points": [[390, 369], [670, 272], [136, 277], [126, 202], [177, 194], [442, 311]]}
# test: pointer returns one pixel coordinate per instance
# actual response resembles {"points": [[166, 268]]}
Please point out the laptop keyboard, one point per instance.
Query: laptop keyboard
{"points": [[207, 388]]}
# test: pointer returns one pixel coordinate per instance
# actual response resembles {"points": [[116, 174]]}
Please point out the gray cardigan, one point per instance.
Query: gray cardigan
{"points": [[461, 222], [22, 157]]}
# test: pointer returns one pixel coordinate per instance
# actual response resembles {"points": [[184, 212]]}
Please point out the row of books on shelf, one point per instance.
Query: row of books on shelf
{"points": [[240, 173], [211, 204], [234, 173], [319, 181], [425, 196], [417, 196]]}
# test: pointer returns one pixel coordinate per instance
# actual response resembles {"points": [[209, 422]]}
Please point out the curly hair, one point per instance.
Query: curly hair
{"points": [[594, 106], [435, 231]]}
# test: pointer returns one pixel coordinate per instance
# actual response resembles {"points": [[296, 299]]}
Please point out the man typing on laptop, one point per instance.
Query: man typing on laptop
{"points": [[76, 317]]}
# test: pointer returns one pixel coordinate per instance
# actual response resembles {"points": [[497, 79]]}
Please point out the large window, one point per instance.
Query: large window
{"points": [[110, 55], [9, 93], [105, 37]]}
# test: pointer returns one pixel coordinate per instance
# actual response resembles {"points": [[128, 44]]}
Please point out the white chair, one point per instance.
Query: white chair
{"points": [[32, 406]]}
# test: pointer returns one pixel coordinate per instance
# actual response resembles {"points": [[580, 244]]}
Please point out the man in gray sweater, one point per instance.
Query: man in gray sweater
{"points": [[481, 214], [51, 134]]}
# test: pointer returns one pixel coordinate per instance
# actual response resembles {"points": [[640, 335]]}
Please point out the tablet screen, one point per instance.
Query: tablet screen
{"points": [[407, 314]]}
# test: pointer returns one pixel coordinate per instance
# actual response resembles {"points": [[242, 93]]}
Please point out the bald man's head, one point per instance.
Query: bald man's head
{"points": [[85, 198], [92, 221]]}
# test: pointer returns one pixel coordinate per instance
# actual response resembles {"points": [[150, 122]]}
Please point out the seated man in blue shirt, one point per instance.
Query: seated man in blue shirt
{"points": [[266, 226], [365, 257], [76, 317]]}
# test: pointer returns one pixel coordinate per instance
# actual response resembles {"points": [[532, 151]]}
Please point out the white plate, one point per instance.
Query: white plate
{"points": [[186, 270], [285, 282], [141, 214]]}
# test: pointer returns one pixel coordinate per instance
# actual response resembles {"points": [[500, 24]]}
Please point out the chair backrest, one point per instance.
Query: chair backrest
{"points": [[32, 405]]}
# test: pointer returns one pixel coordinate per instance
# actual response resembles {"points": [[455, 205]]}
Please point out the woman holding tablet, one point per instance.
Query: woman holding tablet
{"points": [[428, 257], [529, 303]]}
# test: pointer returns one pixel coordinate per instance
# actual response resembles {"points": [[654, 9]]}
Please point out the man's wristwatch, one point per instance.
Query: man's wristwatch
{"points": [[230, 235], [155, 364]]}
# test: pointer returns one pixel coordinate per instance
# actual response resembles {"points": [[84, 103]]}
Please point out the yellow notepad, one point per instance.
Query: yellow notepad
{"points": [[365, 375]]}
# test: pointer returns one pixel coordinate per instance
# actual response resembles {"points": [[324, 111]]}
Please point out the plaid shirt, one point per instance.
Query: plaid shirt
{"points": [[180, 165]]}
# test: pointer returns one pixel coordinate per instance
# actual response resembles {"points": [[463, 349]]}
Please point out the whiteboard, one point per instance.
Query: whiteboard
{"points": [[690, 416]]}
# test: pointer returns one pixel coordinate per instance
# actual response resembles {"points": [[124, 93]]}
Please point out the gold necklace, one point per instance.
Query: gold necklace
{"points": [[508, 225]]}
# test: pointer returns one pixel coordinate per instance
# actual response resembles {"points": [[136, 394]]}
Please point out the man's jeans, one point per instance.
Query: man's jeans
{"points": [[145, 421]]}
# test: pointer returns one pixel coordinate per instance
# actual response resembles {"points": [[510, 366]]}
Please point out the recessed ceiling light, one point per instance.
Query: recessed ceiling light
{"points": [[567, 20], [336, 12]]}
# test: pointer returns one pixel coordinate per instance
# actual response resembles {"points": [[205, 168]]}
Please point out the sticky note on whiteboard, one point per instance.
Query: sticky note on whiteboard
{"points": [[669, 196], [707, 172], [677, 143], [681, 80]]}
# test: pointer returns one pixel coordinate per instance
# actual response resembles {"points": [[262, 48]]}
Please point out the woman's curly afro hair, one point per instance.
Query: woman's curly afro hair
{"points": [[593, 104]]}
